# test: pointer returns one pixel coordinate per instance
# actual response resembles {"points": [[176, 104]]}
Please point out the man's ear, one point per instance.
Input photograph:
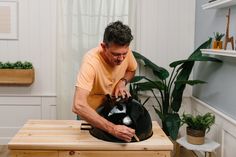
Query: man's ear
{"points": [[103, 45]]}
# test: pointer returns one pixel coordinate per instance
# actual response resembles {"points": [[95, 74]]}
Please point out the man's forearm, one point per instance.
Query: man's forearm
{"points": [[128, 76], [81, 108]]}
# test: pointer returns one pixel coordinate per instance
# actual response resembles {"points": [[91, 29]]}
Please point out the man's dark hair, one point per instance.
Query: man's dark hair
{"points": [[117, 33]]}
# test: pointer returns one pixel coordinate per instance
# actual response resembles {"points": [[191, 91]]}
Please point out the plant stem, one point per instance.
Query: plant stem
{"points": [[172, 73], [162, 96], [172, 81], [157, 101]]}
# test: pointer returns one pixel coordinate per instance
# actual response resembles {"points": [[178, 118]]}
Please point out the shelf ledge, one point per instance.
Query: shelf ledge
{"points": [[219, 4], [219, 52]]}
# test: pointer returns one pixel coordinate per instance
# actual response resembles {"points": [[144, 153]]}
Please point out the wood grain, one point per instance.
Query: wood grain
{"points": [[16, 76], [66, 135]]}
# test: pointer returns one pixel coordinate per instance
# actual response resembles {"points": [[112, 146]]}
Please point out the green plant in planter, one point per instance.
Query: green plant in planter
{"points": [[198, 122], [170, 87], [218, 36], [16, 65], [197, 126]]}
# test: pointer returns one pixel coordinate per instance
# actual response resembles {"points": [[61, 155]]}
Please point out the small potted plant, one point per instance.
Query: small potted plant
{"points": [[18, 73], [217, 43], [197, 126]]}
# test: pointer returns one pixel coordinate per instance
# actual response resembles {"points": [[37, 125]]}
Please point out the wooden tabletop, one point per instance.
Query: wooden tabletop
{"points": [[66, 135]]}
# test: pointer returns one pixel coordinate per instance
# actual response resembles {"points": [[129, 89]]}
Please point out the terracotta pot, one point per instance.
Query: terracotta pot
{"points": [[195, 136], [217, 44]]}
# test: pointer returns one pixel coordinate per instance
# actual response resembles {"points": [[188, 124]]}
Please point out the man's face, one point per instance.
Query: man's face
{"points": [[115, 54]]}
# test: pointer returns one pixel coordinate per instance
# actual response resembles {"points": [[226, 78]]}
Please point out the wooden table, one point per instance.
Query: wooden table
{"points": [[63, 138]]}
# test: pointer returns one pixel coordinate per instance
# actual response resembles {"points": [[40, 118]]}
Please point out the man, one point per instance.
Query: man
{"points": [[106, 69]]}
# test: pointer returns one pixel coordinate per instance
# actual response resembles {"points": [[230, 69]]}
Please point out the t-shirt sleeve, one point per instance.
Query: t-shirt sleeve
{"points": [[86, 74], [132, 65]]}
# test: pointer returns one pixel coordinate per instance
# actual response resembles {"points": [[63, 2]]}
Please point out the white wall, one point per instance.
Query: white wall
{"points": [[165, 30], [36, 43]]}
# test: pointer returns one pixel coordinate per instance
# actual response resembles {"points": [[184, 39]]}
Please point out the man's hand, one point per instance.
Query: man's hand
{"points": [[82, 108], [123, 132], [121, 90]]}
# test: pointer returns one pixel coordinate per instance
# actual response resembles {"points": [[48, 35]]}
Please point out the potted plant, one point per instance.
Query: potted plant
{"points": [[217, 43], [170, 87], [18, 73], [197, 126]]}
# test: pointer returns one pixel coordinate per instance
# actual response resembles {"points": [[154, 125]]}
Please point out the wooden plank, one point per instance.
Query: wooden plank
{"points": [[30, 153], [66, 135], [36, 153], [114, 153], [16, 76]]}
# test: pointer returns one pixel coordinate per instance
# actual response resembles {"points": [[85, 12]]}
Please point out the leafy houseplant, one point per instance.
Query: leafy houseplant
{"points": [[197, 126], [16, 65], [18, 73], [217, 43], [170, 87], [218, 36]]}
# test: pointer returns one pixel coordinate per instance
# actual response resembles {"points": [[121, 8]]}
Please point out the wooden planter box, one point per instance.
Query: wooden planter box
{"points": [[16, 76]]}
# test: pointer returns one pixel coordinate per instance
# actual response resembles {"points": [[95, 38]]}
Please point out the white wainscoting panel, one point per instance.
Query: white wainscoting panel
{"points": [[16, 110], [223, 131], [228, 145]]}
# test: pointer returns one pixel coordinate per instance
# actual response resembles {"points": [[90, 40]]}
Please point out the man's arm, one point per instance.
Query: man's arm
{"points": [[120, 88], [82, 108]]}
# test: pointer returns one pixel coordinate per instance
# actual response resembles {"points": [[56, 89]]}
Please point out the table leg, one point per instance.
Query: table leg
{"points": [[177, 153], [209, 154]]}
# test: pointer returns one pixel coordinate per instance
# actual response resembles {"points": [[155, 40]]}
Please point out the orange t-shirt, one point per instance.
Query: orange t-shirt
{"points": [[100, 78]]}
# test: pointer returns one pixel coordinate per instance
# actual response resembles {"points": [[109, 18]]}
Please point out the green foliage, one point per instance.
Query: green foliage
{"points": [[198, 122], [170, 86], [218, 36], [16, 65]]}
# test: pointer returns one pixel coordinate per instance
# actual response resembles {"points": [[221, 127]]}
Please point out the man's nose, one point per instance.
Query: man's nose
{"points": [[121, 57]]}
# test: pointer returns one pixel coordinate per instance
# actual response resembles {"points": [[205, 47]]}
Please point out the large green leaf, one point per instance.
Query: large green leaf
{"points": [[198, 52], [137, 78], [178, 90], [144, 86], [185, 71], [160, 72], [159, 113], [198, 58], [190, 82], [134, 92], [197, 55], [172, 122]]}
